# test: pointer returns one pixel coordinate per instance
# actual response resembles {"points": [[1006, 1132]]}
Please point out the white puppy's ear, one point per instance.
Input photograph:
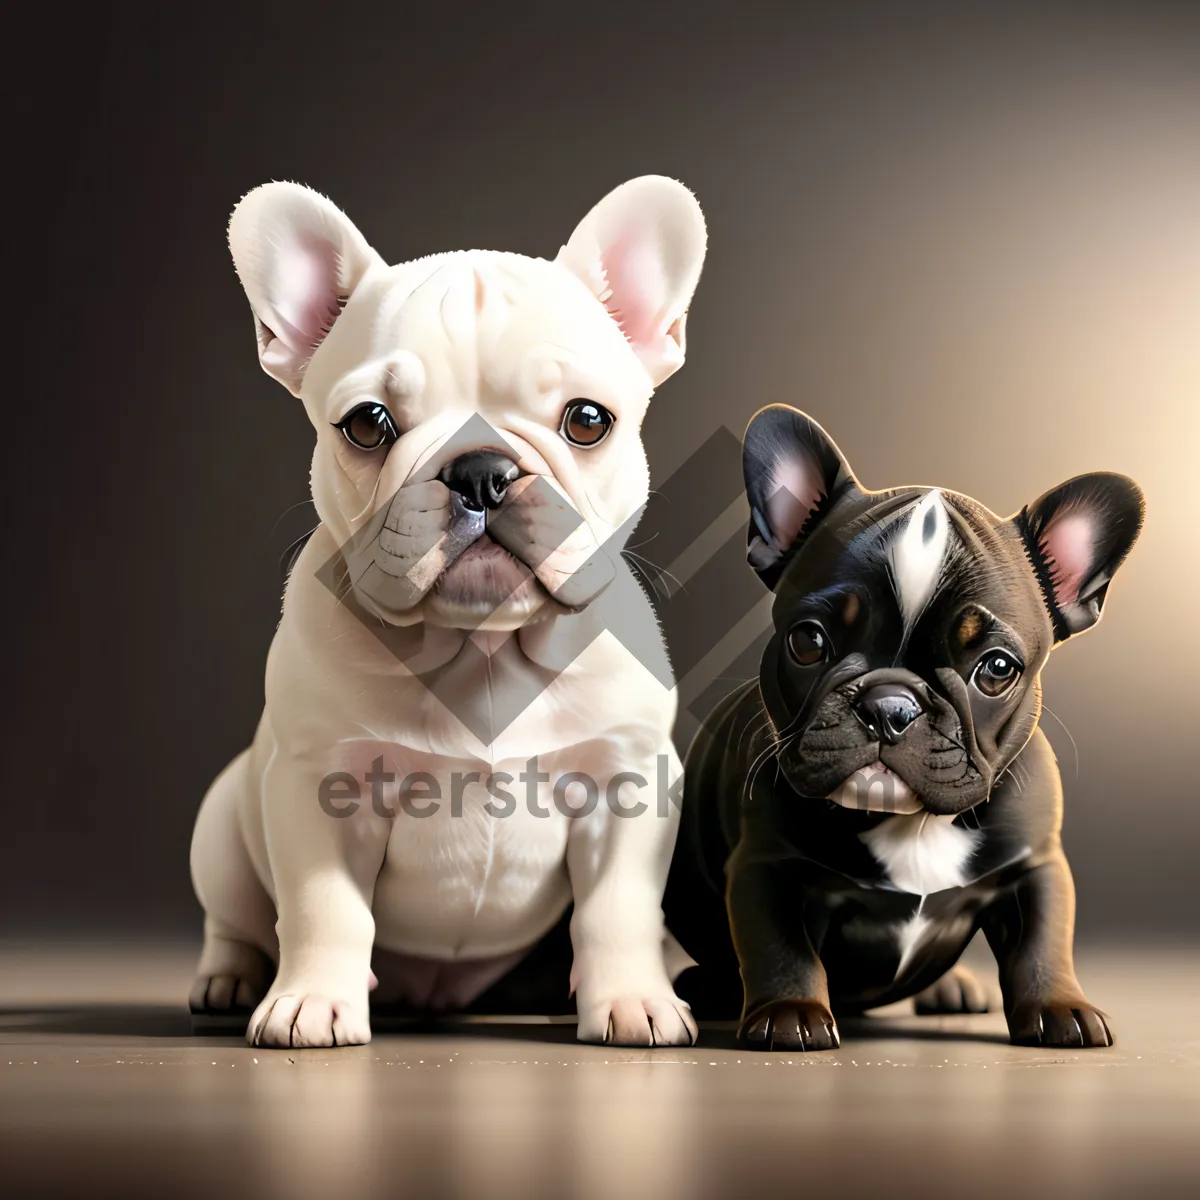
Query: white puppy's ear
{"points": [[299, 258], [640, 251]]}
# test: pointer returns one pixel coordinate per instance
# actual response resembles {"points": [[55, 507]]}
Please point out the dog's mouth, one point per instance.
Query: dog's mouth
{"points": [[876, 788], [484, 573]]}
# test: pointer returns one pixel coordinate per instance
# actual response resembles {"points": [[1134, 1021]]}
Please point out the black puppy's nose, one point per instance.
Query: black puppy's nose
{"points": [[480, 477], [888, 710]]}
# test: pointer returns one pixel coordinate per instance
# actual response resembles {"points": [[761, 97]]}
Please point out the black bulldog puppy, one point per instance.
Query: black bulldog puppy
{"points": [[882, 790]]}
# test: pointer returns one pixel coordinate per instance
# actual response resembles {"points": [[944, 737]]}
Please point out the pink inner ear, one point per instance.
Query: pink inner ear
{"points": [[794, 495], [303, 295], [637, 286], [1069, 543]]}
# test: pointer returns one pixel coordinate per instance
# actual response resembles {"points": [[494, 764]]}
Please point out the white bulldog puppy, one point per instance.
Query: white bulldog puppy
{"points": [[445, 697]]}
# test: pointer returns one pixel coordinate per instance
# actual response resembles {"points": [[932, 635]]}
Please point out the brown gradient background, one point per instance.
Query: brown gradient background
{"points": [[966, 240]]}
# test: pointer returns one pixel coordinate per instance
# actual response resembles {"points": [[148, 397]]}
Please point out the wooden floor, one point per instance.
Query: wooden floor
{"points": [[103, 1091]]}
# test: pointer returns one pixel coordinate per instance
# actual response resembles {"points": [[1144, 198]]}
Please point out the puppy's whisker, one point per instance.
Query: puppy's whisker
{"points": [[364, 512], [639, 545], [780, 739], [779, 742], [1070, 737], [759, 762], [752, 731], [653, 579], [290, 508], [661, 572]]}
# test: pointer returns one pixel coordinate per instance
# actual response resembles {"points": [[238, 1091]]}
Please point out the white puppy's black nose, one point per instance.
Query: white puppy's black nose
{"points": [[888, 710], [480, 477]]}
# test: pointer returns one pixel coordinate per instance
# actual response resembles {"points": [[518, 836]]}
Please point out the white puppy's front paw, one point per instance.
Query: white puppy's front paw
{"points": [[647, 1020], [301, 1018]]}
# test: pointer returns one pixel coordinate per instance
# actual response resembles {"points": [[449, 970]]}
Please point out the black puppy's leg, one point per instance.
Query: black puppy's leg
{"points": [[1031, 930], [786, 994]]}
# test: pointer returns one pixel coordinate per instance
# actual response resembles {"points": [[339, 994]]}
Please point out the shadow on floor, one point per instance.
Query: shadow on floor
{"points": [[168, 1021], [99, 1020], [920, 1029]]}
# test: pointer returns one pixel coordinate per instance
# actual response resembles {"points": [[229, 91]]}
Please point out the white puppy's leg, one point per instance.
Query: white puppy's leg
{"points": [[233, 974], [324, 870], [239, 918], [618, 867]]}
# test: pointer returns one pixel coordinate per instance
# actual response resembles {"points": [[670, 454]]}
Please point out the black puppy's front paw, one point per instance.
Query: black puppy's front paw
{"points": [[790, 1025], [1067, 1024]]}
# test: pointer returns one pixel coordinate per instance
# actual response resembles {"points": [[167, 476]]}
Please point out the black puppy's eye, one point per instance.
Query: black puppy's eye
{"points": [[369, 426], [808, 644], [996, 673], [586, 423]]}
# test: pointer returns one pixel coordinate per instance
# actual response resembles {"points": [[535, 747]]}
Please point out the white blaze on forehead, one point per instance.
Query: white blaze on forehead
{"points": [[917, 552]]}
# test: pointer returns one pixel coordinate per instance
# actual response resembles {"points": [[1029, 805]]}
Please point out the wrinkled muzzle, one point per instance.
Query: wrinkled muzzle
{"points": [[884, 741], [482, 544]]}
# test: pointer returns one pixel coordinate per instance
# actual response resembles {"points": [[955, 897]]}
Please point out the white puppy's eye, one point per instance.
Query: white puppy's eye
{"points": [[368, 426], [586, 423]]}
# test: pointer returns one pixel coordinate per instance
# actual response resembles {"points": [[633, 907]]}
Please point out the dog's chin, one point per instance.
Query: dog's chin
{"points": [[486, 587], [877, 788]]}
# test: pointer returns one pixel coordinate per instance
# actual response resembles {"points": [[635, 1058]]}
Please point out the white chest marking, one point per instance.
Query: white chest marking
{"points": [[908, 938], [916, 552], [922, 853]]}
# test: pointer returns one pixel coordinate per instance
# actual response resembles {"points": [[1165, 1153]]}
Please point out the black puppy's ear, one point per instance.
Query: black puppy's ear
{"points": [[793, 472], [1076, 536]]}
